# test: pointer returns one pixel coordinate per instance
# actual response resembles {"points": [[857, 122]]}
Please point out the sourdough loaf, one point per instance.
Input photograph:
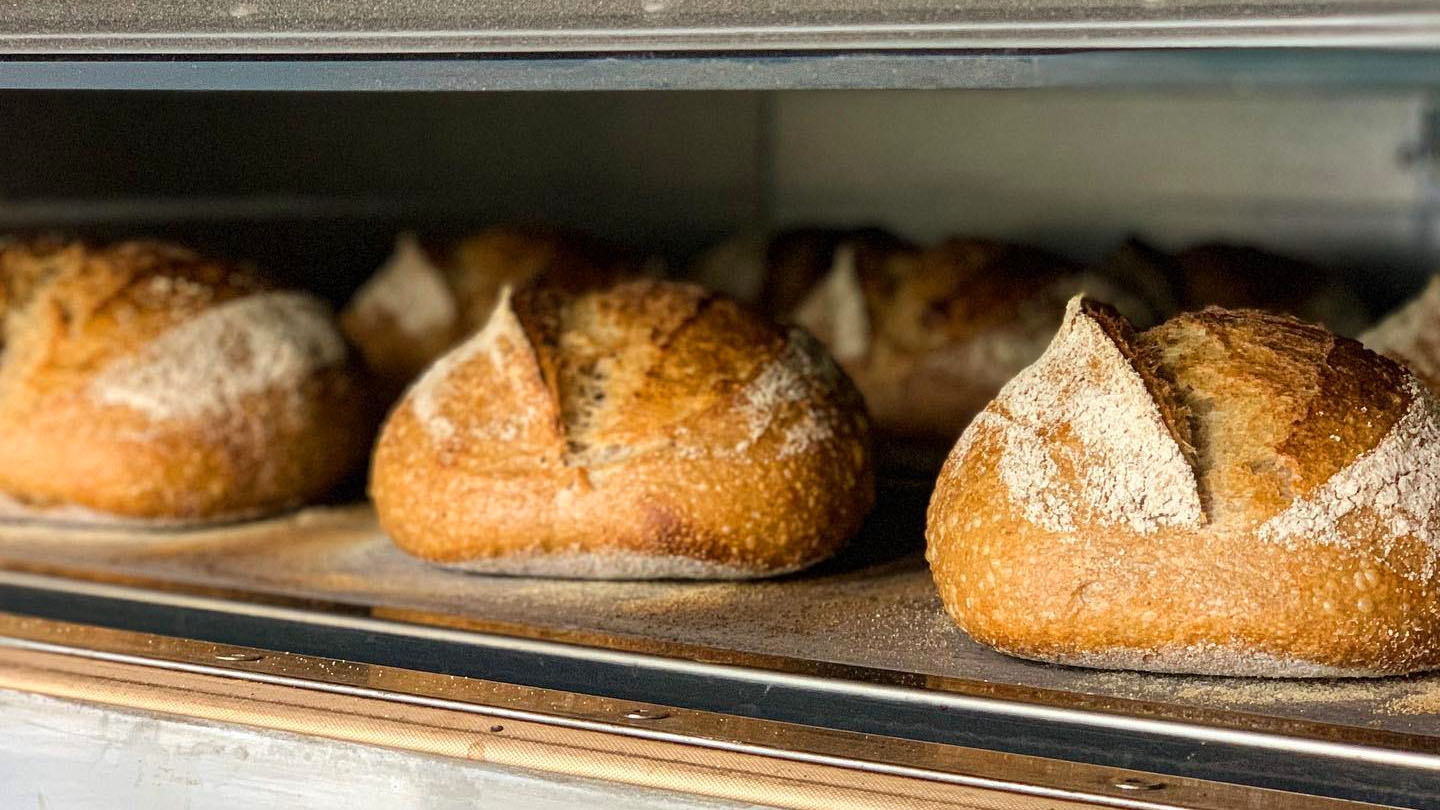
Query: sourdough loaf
{"points": [[776, 271], [1242, 277], [423, 301], [649, 430], [930, 336], [1411, 334], [1232, 493], [143, 380]]}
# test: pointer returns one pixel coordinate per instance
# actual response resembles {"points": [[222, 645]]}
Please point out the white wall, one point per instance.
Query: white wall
{"points": [[1321, 176]]}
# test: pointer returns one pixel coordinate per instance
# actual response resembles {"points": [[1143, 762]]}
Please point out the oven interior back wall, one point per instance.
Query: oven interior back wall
{"points": [[315, 186]]}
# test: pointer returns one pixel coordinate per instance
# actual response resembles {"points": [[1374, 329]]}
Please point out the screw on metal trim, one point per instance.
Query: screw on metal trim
{"points": [[646, 714], [1133, 783], [238, 656]]}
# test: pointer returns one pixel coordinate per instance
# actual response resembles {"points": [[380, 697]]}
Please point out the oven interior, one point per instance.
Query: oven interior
{"points": [[315, 186]]}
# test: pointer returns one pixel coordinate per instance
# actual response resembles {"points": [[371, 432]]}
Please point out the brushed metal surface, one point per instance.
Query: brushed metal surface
{"points": [[870, 615], [577, 734], [560, 26]]}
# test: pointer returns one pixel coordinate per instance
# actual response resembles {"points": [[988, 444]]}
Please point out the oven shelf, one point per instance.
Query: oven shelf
{"points": [[859, 644]]}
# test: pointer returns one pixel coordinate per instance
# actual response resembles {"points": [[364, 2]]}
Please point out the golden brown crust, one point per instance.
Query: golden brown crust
{"points": [[650, 430], [143, 380], [424, 301], [1315, 553]]}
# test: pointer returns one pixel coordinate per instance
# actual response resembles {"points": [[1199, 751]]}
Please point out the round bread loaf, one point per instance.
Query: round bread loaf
{"points": [[142, 380], [1230, 493], [1235, 277], [930, 336], [650, 430], [420, 303], [776, 271], [1411, 334]]}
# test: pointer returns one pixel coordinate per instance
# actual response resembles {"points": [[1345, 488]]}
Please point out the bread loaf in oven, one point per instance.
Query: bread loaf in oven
{"points": [[423, 301], [1243, 277], [648, 430], [930, 336], [142, 380], [1231, 493], [1411, 334]]}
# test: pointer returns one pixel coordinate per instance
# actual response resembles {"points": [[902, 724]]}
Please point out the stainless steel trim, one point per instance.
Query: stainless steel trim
{"points": [[104, 27], [1429, 761], [864, 753], [756, 70], [587, 725]]}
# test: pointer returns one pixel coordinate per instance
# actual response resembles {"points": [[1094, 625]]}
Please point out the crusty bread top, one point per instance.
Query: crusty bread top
{"points": [[152, 327], [1279, 406], [455, 288], [1121, 464], [1239, 277], [597, 378], [796, 260], [1295, 435]]}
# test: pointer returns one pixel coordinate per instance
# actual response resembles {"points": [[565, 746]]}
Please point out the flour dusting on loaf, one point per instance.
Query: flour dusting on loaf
{"points": [[1411, 333], [208, 365], [789, 378], [664, 432], [503, 328], [1130, 469], [1397, 482], [1316, 463]]}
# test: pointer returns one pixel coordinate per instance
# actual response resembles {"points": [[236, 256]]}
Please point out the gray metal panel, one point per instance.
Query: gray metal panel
{"points": [[499, 26], [1239, 69]]}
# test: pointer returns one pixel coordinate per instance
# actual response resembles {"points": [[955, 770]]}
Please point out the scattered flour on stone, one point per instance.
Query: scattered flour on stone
{"points": [[622, 565]]}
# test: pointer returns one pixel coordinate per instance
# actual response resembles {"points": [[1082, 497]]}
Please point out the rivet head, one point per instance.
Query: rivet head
{"points": [[238, 656], [1134, 783], [646, 714]]}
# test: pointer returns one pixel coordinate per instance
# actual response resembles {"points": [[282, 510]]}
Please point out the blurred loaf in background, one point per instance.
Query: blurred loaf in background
{"points": [[426, 299]]}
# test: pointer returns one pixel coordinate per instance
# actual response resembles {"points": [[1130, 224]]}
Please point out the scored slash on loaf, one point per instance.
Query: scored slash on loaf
{"points": [[1230, 493], [646, 430]]}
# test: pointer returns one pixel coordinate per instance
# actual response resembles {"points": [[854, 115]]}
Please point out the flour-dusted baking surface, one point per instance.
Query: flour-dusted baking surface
{"points": [[874, 606]]}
